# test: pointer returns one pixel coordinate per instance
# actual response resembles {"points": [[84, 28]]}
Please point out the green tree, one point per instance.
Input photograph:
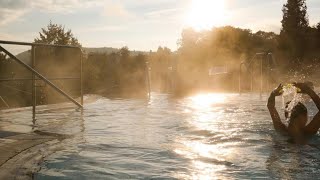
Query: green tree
{"points": [[56, 34], [124, 52], [57, 60], [294, 26]]}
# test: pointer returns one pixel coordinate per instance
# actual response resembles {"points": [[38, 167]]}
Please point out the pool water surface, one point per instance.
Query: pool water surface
{"points": [[206, 136]]}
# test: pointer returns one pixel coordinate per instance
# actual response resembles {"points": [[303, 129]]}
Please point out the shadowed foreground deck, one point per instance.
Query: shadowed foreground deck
{"points": [[21, 153], [24, 144]]}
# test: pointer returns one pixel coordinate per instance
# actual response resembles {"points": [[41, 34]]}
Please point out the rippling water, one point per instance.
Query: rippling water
{"points": [[209, 136]]}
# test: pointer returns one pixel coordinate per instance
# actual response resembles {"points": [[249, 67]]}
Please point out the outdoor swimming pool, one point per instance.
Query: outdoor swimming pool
{"points": [[208, 136]]}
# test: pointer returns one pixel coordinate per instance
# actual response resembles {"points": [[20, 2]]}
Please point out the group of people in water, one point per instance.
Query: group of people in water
{"points": [[297, 129]]}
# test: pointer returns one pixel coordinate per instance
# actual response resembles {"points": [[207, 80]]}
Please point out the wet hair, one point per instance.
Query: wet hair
{"points": [[296, 111]]}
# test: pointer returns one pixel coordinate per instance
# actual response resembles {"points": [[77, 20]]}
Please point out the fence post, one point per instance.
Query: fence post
{"points": [[240, 78], [34, 90], [261, 76], [148, 79], [81, 77]]}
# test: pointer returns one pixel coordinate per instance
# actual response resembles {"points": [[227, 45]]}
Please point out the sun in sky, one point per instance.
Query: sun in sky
{"points": [[205, 14]]}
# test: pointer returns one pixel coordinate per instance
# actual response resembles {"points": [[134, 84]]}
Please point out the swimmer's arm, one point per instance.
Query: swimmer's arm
{"points": [[277, 123], [313, 127], [315, 98]]}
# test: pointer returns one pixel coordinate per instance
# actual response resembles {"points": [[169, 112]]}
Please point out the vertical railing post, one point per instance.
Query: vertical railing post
{"points": [[34, 90], [268, 71], [175, 80], [240, 78], [148, 79], [251, 80], [261, 76], [81, 77]]}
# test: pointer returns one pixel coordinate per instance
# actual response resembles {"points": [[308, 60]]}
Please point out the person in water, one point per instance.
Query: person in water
{"points": [[298, 129]]}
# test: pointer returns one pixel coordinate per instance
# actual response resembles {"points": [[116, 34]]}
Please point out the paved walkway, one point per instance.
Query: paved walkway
{"points": [[20, 153]]}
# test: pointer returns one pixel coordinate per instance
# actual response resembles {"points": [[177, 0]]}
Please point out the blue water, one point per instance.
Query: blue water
{"points": [[208, 136]]}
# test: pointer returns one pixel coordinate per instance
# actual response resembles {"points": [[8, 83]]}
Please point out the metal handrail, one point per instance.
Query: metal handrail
{"points": [[29, 79], [40, 76], [38, 44], [5, 102]]}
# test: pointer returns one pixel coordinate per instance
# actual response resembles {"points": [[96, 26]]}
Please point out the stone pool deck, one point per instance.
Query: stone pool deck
{"points": [[21, 153]]}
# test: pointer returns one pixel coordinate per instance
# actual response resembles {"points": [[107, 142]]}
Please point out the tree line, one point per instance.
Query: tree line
{"points": [[296, 49], [120, 73], [117, 73]]}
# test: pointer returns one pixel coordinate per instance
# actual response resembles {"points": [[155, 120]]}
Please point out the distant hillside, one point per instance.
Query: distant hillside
{"points": [[102, 50], [26, 55], [108, 50]]}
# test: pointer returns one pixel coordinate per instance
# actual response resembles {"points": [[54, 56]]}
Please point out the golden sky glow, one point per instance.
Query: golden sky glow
{"points": [[205, 14]]}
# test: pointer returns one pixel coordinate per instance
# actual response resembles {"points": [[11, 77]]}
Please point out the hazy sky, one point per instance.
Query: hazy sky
{"points": [[138, 24]]}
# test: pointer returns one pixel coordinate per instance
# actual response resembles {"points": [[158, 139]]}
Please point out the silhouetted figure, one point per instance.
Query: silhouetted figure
{"points": [[297, 129]]}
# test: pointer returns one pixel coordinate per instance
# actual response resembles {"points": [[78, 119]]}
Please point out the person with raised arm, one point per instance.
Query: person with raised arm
{"points": [[298, 129]]}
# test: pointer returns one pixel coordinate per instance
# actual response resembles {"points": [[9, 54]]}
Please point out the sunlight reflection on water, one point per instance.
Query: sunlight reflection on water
{"points": [[207, 159], [201, 101]]}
